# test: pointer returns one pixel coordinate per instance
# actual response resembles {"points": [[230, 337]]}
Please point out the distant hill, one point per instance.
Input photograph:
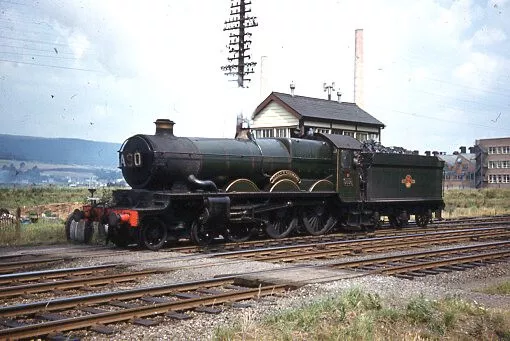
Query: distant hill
{"points": [[62, 151]]}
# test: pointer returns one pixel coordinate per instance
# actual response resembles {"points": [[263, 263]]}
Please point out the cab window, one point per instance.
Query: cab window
{"points": [[346, 159]]}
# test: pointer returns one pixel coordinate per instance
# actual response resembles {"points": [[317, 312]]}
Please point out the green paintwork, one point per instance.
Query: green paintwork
{"points": [[347, 177], [387, 177], [225, 160]]}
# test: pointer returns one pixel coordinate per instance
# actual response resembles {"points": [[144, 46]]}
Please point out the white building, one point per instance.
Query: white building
{"points": [[286, 115]]}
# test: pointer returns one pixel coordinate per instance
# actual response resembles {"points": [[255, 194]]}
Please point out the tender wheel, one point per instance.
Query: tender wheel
{"points": [[238, 233], [280, 223], [200, 233], [394, 221], [153, 234], [375, 222], [422, 220], [318, 220], [400, 220]]}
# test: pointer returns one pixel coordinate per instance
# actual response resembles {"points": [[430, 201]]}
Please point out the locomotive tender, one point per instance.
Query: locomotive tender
{"points": [[201, 188]]}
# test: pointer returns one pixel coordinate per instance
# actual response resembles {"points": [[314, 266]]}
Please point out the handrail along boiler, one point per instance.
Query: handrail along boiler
{"points": [[202, 188]]}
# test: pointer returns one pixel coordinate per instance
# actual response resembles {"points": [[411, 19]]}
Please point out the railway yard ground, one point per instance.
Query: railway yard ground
{"points": [[390, 284]]}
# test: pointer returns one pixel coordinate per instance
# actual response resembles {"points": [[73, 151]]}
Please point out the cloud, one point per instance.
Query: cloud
{"points": [[162, 60], [488, 36]]}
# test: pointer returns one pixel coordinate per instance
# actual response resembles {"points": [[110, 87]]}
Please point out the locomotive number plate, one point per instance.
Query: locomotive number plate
{"points": [[130, 159]]}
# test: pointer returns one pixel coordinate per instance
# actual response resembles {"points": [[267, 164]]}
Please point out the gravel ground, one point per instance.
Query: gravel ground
{"points": [[202, 326]]}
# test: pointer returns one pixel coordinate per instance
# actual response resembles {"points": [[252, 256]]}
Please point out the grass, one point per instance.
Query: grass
{"points": [[357, 315], [43, 232], [498, 289], [31, 199], [11, 198], [468, 203]]}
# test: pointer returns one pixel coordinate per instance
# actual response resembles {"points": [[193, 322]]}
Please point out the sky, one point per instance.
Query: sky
{"points": [[436, 73]]}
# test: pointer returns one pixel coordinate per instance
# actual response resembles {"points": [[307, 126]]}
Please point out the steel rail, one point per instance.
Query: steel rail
{"points": [[467, 219], [219, 247], [399, 269], [15, 265], [101, 298], [470, 233], [72, 283], [86, 321], [415, 255], [50, 274], [376, 247]]}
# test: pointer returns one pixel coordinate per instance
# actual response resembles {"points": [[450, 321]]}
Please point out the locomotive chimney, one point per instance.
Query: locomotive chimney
{"points": [[427, 152], [164, 127], [462, 150]]}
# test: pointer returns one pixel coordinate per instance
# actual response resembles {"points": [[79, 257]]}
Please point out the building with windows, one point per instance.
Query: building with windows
{"points": [[286, 115], [459, 169], [492, 163]]}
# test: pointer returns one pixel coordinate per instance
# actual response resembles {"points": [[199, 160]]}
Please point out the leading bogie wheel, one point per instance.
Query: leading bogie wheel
{"points": [[153, 234], [118, 236], [200, 233]]}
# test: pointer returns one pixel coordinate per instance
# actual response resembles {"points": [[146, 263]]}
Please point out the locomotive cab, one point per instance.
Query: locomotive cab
{"points": [[347, 172]]}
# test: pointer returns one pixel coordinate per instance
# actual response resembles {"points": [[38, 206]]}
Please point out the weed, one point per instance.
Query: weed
{"points": [[498, 289], [492, 201], [356, 315], [420, 310], [42, 232]]}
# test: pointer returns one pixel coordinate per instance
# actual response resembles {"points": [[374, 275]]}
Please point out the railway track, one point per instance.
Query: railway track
{"points": [[171, 306], [51, 274], [351, 247], [18, 263], [442, 226], [419, 264], [156, 304], [501, 217], [152, 305], [75, 283]]}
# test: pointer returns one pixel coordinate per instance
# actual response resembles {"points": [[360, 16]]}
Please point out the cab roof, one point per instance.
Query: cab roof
{"points": [[340, 141]]}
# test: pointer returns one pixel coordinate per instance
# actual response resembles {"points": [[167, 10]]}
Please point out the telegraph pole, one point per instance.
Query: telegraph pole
{"points": [[239, 42]]}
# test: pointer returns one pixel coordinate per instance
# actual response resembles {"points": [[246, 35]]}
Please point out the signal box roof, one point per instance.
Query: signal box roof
{"points": [[320, 109]]}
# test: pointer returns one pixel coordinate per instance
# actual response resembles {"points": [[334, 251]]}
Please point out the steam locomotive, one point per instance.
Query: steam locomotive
{"points": [[204, 188]]}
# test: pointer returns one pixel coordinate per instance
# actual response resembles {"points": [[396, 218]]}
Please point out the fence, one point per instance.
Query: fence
{"points": [[7, 220]]}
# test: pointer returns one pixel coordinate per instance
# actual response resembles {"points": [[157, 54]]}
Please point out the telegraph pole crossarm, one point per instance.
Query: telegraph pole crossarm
{"points": [[239, 45]]}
